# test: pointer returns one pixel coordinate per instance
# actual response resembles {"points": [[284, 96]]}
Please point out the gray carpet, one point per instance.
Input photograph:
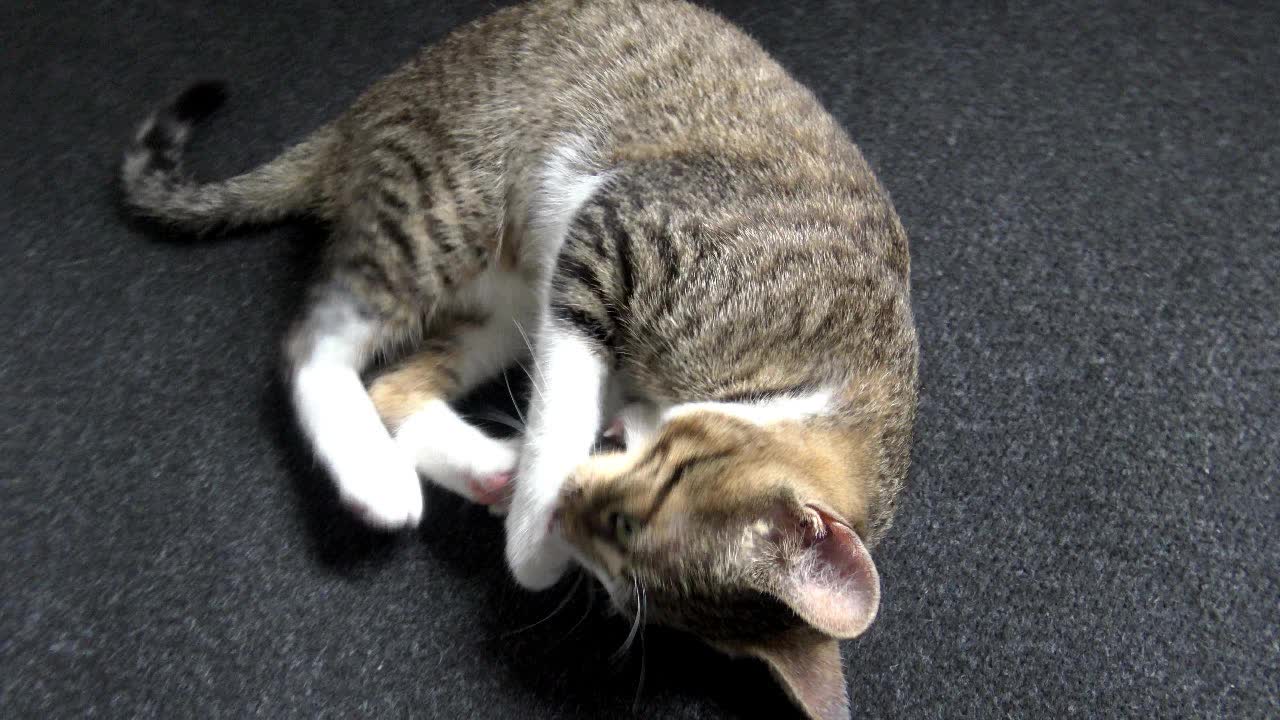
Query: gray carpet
{"points": [[1094, 207]]}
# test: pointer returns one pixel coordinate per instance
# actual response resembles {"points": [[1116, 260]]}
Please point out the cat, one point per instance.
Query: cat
{"points": [[636, 198]]}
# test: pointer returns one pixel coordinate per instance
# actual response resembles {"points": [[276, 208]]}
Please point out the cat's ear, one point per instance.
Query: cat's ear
{"points": [[823, 572], [808, 667]]}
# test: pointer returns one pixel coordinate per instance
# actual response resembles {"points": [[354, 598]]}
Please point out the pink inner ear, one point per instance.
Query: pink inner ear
{"points": [[834, 585]]}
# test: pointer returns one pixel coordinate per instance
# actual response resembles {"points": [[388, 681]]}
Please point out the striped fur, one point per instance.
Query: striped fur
{"points": [[636, 186], [155, 186]]}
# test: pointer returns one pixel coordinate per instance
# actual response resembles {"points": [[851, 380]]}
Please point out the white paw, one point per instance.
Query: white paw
{"points": [[489, 472], [458, 457], [386, 495], [536, 558], [494, 487]]}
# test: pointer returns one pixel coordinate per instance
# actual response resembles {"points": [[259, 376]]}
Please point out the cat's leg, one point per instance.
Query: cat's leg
{"points": [[414, 400], [570, 372], [326, 350]]}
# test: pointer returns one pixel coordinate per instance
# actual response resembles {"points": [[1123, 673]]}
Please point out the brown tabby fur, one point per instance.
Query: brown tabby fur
{"points": [[741, 250]]}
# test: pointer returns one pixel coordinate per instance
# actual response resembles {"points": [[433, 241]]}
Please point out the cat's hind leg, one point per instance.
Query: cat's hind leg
{"points": [[326, 351], [414, 399], [406, 246]]}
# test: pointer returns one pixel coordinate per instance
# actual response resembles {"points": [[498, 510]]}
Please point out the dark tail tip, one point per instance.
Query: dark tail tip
{"points": [[199, 101]]}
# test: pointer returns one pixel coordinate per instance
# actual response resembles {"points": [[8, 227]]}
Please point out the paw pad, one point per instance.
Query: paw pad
{"points": [[490, 489]]}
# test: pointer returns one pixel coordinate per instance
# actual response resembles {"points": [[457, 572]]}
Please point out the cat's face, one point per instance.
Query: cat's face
{"points": [[716, 526]]}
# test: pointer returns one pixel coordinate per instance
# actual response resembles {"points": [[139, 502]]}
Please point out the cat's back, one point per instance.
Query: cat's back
{"points": [[710, 144], [665, 77], [713, 145], [629, 78]]}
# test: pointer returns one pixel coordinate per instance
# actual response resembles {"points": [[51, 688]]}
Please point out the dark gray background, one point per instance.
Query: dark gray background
{"points": [[1092, 198]]}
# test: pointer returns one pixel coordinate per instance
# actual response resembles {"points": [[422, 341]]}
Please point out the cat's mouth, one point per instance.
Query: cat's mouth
{"points": [[617, 589]]}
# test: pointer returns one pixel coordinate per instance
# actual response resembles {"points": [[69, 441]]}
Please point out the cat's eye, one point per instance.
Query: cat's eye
{"points": [[624, 527]]}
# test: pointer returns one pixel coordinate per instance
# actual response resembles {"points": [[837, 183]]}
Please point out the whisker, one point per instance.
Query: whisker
{"points": [[514, 405], [591, 605], [644, 604], [558, 608], [532, 382], [523, 335], [635, 625], [502, 419], [532, 356]]}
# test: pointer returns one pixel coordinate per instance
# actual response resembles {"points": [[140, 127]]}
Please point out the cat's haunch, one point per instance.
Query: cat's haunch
{"points": [[641, 207]]}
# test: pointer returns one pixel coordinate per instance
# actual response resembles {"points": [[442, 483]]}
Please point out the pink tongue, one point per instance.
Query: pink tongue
{"points": [[490, 489]]}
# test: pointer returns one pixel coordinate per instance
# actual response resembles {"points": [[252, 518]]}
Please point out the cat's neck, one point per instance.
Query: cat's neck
{"points": [[840, 457], [763, 410]]}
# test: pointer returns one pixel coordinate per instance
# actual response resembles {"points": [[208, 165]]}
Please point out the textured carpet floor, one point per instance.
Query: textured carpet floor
{"points": [[1094, 206]]}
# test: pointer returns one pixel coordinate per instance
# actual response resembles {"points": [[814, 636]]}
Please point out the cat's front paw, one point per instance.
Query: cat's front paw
{"points": [[386, 496], [537, 560], [540, 567]]}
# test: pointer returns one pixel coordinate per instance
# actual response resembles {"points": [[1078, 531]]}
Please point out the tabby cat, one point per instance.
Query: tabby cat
{"points": [[683, 238]]}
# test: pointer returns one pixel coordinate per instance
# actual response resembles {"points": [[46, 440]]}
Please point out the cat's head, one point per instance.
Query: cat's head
{"points": [[735, 532]]}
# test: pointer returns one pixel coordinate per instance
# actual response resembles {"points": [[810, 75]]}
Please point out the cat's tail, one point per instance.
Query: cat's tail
{"points": [[156, 187]]}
